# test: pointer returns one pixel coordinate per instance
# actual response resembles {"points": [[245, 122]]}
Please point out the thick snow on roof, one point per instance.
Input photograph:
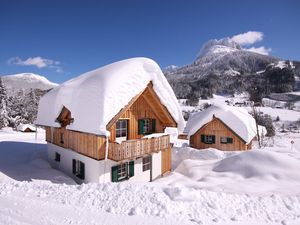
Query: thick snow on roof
{"points": [[23, 127], [237, 118], [95, 97]]}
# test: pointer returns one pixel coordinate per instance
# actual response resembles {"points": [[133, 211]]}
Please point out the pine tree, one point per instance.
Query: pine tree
{"points": [[3, 106]]}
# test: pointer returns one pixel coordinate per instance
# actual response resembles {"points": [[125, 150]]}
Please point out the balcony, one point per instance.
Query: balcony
{"points": [[137, 147]]}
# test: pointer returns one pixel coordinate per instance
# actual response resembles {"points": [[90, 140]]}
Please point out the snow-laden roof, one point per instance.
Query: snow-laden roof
{"points": [[23, 127], [95, 97], [237, 118]]}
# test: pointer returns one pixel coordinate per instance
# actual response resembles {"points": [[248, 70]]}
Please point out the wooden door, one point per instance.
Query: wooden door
{"points": [[166, 160]]}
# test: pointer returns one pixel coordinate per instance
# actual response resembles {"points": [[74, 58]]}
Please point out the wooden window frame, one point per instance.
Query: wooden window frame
{"points": [[146, 163]]}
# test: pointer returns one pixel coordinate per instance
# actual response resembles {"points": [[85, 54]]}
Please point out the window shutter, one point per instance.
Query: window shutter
{"points": [[74, 166], [141, 126], [153, 125], [131, 169], [82, 172], [230, 140], [114, 174], [213, 139], [202, 138]]}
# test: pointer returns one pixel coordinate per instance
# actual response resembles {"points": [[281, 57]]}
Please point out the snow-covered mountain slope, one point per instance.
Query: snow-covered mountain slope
{"points": [[221, 57], [25, 82], [223, 60]]}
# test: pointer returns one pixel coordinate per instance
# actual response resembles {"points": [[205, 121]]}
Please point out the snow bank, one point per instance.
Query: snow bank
{"points": [[258, 172], [95, 97], [237, 118]]}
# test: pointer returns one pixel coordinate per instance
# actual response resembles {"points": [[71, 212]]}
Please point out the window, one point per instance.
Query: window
{"points": [[208, 139], [147, 126], [146, 163], [226, 140], [57, 157], [121, 129], [122, 171], [78, 169], [62, 138]]}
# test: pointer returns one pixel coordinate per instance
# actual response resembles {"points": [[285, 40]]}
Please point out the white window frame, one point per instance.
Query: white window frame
{"points": [[122, 171], [208, 139], [223, 140], [119, 130]]}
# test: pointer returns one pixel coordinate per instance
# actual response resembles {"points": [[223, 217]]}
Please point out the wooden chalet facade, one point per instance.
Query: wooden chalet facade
{"points": [[127, 150], [216, 134]]}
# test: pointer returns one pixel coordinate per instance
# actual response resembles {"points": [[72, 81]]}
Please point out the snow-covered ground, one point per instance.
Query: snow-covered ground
{"points": [[261, 186]]}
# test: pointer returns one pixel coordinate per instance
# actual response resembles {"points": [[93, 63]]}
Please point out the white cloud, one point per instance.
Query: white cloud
{"points": [[38, 61], [248, 38], [261, 50]]}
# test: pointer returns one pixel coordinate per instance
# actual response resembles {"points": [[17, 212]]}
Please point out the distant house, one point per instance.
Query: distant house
{"points": [[26, 128], [108, 124], [225, 128]]}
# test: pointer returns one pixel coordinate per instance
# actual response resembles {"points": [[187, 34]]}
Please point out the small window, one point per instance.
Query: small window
{"points": [[62, 138], [226, 140], [208, 139], [57, 157], [121, 129], [147, 126], [146, 163], [122, 171], [78, 169]]}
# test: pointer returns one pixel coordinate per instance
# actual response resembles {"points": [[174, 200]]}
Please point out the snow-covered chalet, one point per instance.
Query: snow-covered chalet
{"points": [[223, 127], [108, 124]]}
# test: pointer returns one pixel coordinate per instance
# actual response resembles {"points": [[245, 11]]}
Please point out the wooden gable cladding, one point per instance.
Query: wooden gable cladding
{"points": [[154, 103], [217, 128], [141, 109], [64, 118]]}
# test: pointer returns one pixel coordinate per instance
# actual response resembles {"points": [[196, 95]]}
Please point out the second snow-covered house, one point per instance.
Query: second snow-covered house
{"points": [[222, 127], [108, 124]]}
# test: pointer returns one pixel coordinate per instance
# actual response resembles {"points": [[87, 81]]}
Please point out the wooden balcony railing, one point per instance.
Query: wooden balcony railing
{"points": [[137, 147]]}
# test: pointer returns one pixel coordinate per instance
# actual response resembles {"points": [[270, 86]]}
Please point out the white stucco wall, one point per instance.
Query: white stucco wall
{"points": [[156, 165], [99, 171]]}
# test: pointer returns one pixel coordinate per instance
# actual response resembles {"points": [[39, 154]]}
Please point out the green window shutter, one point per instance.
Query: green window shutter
{"points": [[202, 138], [131, 169], [141, 126], [82, 172], [114, 174], [74, 166], [230, 140], [153, 123], [213, 139]]}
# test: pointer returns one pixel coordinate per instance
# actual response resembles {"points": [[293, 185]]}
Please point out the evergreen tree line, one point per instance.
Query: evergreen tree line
{"points": [[272, 80], [19, 108]]}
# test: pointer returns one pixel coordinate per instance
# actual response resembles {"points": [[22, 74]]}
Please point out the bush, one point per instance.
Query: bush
{"points": [[266, 121]]}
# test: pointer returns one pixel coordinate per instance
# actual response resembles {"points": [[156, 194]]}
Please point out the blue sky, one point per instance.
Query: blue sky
{"points": [[62, 39]]}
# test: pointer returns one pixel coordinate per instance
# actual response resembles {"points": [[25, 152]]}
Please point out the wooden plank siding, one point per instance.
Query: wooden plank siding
{"points": [[87, 144], [166, 160], [219, 129]]}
